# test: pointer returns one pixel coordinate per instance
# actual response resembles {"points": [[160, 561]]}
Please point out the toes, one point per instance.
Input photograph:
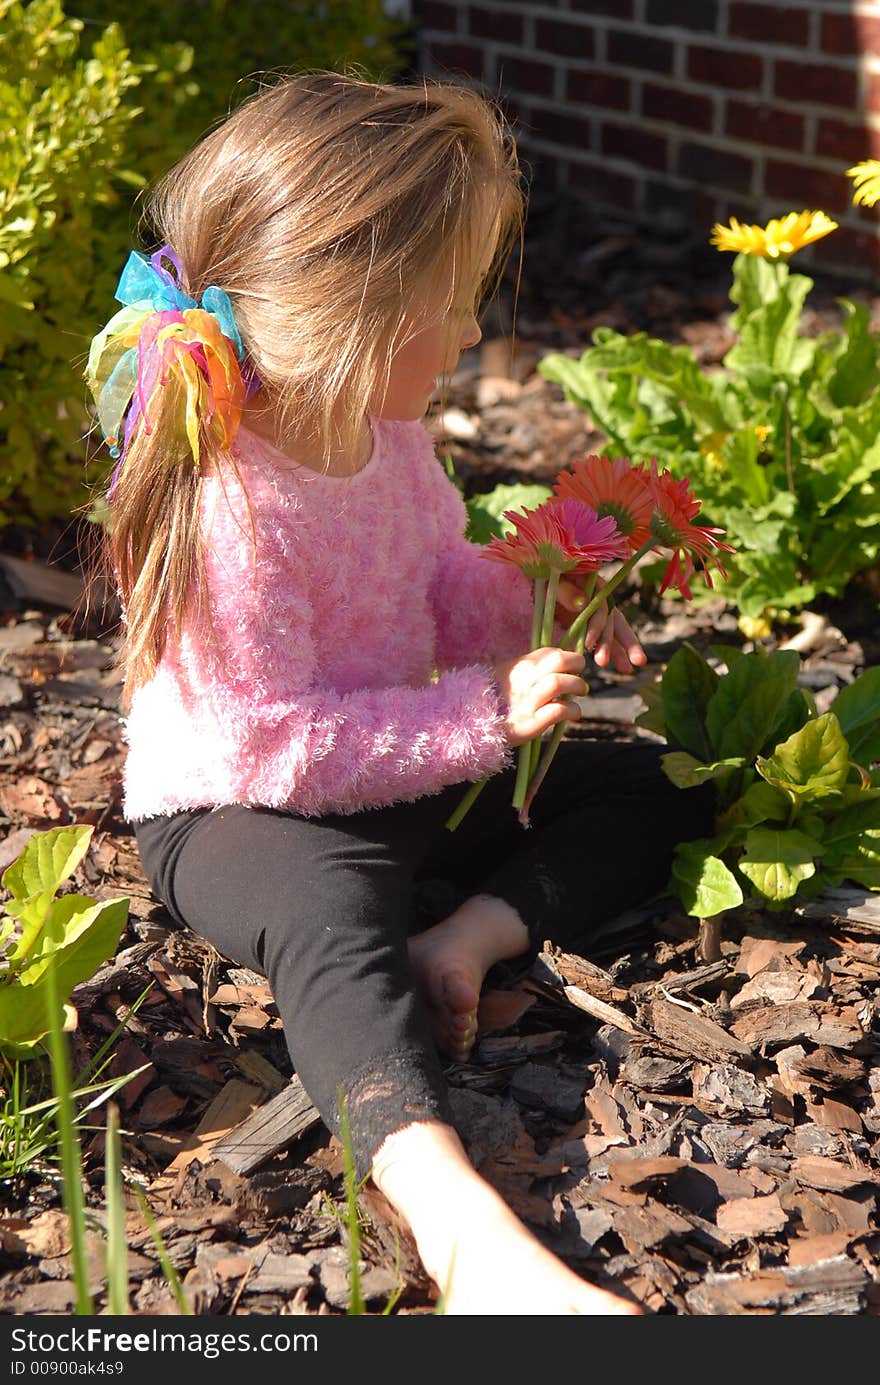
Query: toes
{"points": [[464, 1035], [459, 994]]}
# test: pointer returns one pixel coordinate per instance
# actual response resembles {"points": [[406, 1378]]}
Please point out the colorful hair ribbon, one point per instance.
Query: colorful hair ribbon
{"points": [[161, 334]]}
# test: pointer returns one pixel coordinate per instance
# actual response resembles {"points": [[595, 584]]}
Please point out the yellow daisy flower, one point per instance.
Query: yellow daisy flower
{"points": [[866, 182], [775, 241]]}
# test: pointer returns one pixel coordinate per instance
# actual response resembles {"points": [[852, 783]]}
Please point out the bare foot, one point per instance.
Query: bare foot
{"points": [[451, 959], [499, 1268], [482, 1257]]}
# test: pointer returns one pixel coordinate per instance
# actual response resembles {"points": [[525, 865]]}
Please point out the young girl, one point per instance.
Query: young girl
{"points": [[317, 662]]}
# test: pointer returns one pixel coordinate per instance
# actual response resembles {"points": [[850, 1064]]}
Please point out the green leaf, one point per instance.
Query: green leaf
{"points": [[761, 802], [686, 772], [486, 512], [704, 884], [855, 373], [48, 859], [652, 718], [857, 708], [749, 703], [813, 764], [84, 934], [688, 685], [768, 334], [776, 861]]}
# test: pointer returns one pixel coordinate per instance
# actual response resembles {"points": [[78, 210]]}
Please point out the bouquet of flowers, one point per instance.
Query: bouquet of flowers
{"points": [[603, 510]]}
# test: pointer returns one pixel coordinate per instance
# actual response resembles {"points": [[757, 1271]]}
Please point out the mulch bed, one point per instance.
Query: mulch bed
{"points": [[704, 1138]]}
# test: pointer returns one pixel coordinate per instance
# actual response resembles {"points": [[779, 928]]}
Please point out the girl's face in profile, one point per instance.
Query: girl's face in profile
{"points": [[432, 350]]}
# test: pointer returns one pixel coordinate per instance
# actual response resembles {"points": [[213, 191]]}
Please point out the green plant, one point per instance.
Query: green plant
{"points": [[49, 941], [798, 802], [781, 444], [66, 182]]}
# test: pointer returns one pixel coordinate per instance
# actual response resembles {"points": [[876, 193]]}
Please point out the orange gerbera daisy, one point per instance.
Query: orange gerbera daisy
{"points": [[558, 536], [675, 508], [612, 486]]}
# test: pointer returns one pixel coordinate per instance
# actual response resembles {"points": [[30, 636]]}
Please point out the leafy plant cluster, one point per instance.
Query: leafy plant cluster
{"points": [[88, 115], [798, 802], [49, 943], [782, 444]]}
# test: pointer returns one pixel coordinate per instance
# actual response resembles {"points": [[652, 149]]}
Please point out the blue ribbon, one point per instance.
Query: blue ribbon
{"points": [[145, 283]]}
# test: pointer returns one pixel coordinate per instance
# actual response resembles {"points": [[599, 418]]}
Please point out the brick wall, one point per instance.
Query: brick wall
{"points": [[681, 109]]}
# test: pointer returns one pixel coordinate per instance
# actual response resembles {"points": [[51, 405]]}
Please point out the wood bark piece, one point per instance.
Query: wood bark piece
{"points": [[606, 1014], [224, 1114], [695, 1034], [268, 1129], [845, 906], [832, 1287], [789, 1024], [816, 1171], [757, 1216]]}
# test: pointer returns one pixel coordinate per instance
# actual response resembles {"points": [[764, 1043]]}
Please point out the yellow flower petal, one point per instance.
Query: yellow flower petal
{"points": [[866, 182], [777, 240]]}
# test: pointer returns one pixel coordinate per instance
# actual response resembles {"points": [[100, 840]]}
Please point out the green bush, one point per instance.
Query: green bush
{"points": [[88, 114], [781, 444], [64, 182]]}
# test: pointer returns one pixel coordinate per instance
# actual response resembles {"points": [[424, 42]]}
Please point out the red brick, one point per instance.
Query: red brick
{"points": [[684, 14], [872, 92], [850, 36], [574, 41], [559, 127], [715, 168], [524, 74], [592, 88], [603, 184], [817, 83], [721, 67], [769, 24], [641, 51], [634, 144], [437, 14], [847, 142], [767, 125], [691, 110], [849, 248], [495, 24], [806, 187], [458, 57], [609, 9]]}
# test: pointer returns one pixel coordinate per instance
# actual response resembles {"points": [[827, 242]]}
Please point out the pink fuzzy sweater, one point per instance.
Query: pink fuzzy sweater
{"points": [[315, 692]]}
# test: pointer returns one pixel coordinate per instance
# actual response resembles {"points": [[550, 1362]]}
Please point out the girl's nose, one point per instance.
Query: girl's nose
{"points": [[471, 333]]}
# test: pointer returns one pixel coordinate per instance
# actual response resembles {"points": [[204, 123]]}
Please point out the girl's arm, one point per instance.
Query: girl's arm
{"points": [[482, 608], [246, 719]]}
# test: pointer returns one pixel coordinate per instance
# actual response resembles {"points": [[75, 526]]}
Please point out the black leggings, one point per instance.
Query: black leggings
{"points": [[323, 906]]}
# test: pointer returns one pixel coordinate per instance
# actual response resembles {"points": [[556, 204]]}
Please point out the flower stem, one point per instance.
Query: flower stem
{"points": [[546, 636], [469, 798], [575, 637], [578, 626], [539, 619]]}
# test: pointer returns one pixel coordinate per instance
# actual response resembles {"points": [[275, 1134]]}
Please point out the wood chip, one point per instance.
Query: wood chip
{"points": [[606, 1014], [695, 1034], [267, 1130], [814, 1171], [757, 1216]]}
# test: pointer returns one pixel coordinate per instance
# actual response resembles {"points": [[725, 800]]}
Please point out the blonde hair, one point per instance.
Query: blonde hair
{"points": [[328, 207]]}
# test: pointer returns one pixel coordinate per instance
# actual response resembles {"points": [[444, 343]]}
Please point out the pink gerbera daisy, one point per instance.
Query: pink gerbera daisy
{"points": [[612, 486], [675, 507], [558, 536]]}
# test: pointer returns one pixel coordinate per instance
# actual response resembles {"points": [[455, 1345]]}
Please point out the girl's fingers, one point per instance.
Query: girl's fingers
{"points": [[628, 641]]}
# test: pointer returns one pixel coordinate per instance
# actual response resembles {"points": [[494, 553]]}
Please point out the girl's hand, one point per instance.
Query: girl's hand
{"points": [[610, 638], [531, 684]]}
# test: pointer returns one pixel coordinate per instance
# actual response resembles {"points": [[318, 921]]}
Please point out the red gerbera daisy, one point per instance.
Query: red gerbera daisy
{"points": [[558, 536], [675, 507], [612, 486]]}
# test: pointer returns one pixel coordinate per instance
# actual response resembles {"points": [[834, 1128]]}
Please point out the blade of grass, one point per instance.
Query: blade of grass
{"points": [[170, 1273], [117, 1250], [71, 1156], [356, 1303]]}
